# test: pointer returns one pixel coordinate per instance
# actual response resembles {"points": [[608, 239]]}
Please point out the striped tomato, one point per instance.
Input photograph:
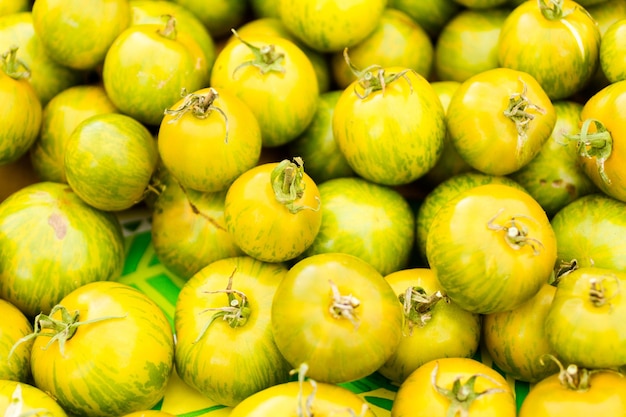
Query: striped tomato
{"points": [[105, 350], [23, 399], [14, 363]]}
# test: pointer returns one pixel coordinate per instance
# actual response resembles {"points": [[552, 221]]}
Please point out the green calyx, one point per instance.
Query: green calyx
{"points": [[169, 30], [553, 9], [266, 58], [515, 232], [199, 106], [373, 78], [237, 311], [288, 184], [461, 395], [597, 145], [418, 305], [12, 66], [59, 330]]}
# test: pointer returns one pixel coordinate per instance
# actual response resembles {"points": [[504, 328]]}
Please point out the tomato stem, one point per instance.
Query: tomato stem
{"points": [[60, 330], [553, 10], [266, 58], [572, 377], [461, 396], [287, 180], [200, 106], [598, 294], [373, 78], [12, 66], [596, 145], [169, 30], [518, 112], [343, 306], [515, 232], [418, 305]]}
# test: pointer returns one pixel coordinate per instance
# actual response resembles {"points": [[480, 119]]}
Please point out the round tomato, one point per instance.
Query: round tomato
{"points": [[108, 350], [317, 144], [454, 386], [275, 79], [592, 231], [78, 34], [303, 398], [499, 119], [467, 44], [573, 37], [517, 341], [273, 211], [109, 161], [329, 26], [209, 138], [161, 61], [577, 392], [347, 316], [221, 17], [612, 48], [60, 117], [389, 124], [554, 177], [430, 15], [49, 77], [491, 247], [22, 120], [396, 41], [434, 327], [22, 399], [225, 346], [188, 229], [367, 220], [52, 242], [15, 363], [584, 324]]}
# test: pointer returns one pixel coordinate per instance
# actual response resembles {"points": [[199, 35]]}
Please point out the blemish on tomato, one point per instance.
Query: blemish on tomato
{"points": [[59, 225]]}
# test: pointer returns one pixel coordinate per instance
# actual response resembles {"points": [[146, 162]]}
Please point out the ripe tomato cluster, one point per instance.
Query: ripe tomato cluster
{"points": [[395, 188]]}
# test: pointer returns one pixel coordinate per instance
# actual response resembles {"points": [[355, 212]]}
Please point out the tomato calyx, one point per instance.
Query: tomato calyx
{"points": [[200, 106], [12, 66], [343, 306], [417, 306], [266, 58], [461, 395], [599, 294], [59, 330], [553, 10], [236, 313], [374, 78], [518, 112], [515, 232], [16, 406], [169, 30], [574, 377], [287, 180], [596, 145]]}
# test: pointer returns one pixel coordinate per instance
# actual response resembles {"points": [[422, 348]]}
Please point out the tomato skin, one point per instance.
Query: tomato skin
{"points": [[574, 36], [432, 15], [336, 349], [516, 339], [33, 399], [59, 119], [592, 231], [283, 400], [449, 330], [264, 228], [13, 6], [417, 397], [578, 323], [49, 77], [549, 397], [109, 161], [612, 51], [15, 326], [483, 135], [391, 137], [350, 22], [467, 248], [188, 230], [161, 62], [229, 362], [284, 103], [77, 34], [220, 18], [207, 153], [112, 366], [52, 242]]}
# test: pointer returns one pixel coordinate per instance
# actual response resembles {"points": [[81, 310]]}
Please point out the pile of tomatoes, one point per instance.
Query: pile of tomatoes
{"points": [[347, 188]]}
